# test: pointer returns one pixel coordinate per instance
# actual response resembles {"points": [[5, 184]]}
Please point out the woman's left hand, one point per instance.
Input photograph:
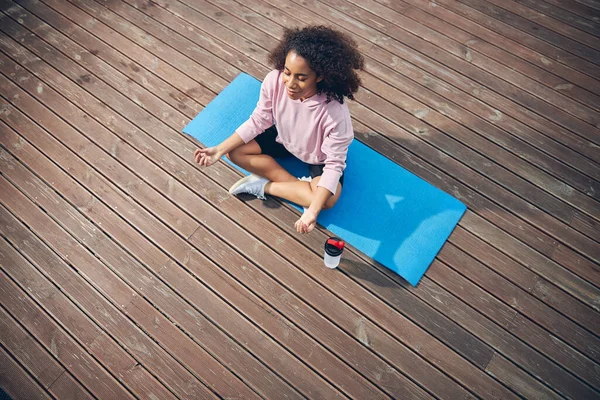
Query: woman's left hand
{"points": [[307, 222]]}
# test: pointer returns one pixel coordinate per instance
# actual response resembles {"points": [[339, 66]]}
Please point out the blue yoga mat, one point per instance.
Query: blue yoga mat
{"points": [[386, 212]]}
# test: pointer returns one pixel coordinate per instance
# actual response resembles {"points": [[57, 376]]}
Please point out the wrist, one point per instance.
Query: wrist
{"points": [[220, 151], [314, 209]]}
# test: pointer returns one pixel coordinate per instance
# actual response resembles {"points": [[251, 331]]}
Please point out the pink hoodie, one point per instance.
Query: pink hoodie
{"points": [[313, 130]]}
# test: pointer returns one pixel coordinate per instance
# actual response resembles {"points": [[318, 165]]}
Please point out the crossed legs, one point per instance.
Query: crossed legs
{"points": [[282, 184]]}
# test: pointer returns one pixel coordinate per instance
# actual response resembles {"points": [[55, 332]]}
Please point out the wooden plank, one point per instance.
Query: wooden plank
{"points": [[67, 388], [183, 62], [525, 195], [503, 369], [584, 224], [144, 347], [130, 59], [536, 30], [38, 362], [492, 212], [472, 44], [132, 62], [297, 313], [67, 349], [27, 352], [102, 347], [503, 241], [591, 3], [377, 286], [46, 371], [581, 10], [533, 260], [397, 119], [340, 287], [164, 53], [545, 290], [552, 53], [16, 382], [562, 256], [576, 16], [534, 363], [176, 218], [480, 151], [228, 49], [497, 238], [118, 326], [484, 297], [370, 334], [198, 361], [482, 36], [398, 26], [550, 19]]}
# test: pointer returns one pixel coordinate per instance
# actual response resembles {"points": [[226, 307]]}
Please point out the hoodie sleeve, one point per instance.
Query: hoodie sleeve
{"points": [[262, 116], [338, 137]]}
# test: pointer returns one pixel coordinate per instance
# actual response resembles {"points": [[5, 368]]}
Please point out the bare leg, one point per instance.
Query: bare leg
{"points": [[282, 184], [250, 158], [299, 192]]}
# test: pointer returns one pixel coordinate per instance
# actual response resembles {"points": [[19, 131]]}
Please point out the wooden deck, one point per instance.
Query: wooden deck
{"points": [[129, 272]]}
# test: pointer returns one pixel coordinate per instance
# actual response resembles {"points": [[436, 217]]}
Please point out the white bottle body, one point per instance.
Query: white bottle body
{"points": [[331, 262]]}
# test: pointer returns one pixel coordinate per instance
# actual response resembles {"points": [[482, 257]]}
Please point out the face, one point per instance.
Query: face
{"points": [[299, 79]]}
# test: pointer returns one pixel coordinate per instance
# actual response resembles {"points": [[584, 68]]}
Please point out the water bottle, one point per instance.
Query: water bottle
{"points": [[334, 247]]}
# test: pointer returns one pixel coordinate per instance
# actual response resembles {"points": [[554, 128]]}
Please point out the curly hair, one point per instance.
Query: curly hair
{"points": [[331, 54]]}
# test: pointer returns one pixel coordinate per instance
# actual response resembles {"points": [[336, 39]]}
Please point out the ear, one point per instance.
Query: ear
{"points": [[319, 79]]}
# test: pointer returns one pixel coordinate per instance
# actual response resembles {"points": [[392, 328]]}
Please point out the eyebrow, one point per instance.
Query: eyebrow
{"points": [[296, 74]]}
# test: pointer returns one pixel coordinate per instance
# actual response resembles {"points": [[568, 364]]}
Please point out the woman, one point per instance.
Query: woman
{"points": [[301, 113]]}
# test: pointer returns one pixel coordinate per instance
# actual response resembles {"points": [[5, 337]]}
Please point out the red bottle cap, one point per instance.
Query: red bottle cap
{"points": [[337, 243]]}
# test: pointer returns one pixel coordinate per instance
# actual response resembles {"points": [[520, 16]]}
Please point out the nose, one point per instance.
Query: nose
{"points": [[292, 83]]}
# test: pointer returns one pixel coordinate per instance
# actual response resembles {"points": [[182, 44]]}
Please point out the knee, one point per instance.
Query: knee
{"points": [[333, 199], [329, 203], [233, 155]]}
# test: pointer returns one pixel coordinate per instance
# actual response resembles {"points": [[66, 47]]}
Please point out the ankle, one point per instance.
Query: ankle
{"points": [[268, 187]]}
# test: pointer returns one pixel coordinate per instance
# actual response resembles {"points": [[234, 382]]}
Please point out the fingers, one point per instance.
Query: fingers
{"points": [[302, 227], [299, 226], [203, 157], [198, 155]]}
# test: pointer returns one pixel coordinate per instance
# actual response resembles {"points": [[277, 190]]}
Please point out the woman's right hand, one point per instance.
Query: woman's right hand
{"points": [[207, 156]]}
